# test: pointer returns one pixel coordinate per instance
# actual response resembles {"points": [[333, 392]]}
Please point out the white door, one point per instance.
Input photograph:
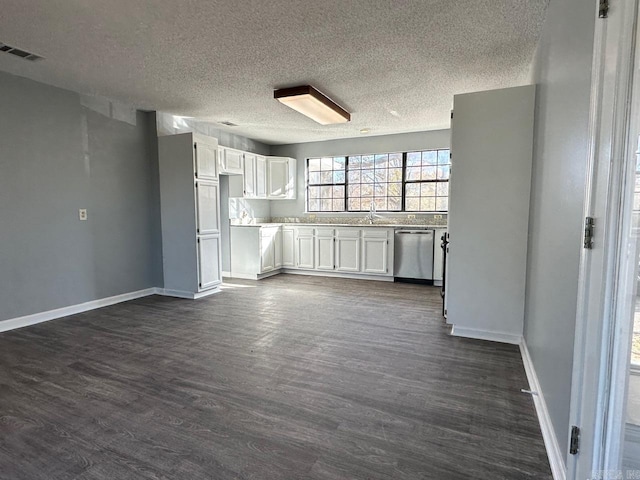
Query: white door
{"points": [[277, 248], [288, 247], [277, 177], [267, 252], [347, 250], [325, 249], [374, 255], [233, 161], [261, 177], [249, 169], [209, 272], [206, 161], [208, 207], [305, 257]]}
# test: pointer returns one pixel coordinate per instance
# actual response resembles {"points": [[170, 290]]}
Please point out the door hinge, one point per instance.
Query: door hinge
{"points": [[604, 9], [588, 232], [451, 113], [574, 444]]}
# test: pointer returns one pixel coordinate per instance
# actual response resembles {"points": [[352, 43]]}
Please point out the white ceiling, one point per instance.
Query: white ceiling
{"points": [[395, 64]]}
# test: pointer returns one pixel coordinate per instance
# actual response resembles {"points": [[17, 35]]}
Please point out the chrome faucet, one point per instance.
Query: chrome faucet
{"points": [[372, 215]]}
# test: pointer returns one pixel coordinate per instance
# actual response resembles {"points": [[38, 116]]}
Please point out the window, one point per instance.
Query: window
{"points": [[393, 182]]}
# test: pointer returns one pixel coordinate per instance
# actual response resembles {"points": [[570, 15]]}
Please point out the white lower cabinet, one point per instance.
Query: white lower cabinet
{"points": [[347, 250], [375, 251], [288, 247], [325, 249], [209, 271], [305, 243]]}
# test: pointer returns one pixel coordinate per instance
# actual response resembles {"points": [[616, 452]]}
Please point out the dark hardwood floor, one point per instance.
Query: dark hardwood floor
{"points": [[288, 378]]}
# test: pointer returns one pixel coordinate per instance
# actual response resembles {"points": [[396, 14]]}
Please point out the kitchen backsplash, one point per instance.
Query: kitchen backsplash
{"points": [[423, 219]]}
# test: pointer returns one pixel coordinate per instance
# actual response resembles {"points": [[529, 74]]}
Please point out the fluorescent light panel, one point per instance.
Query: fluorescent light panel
{"points": [[310, 102]]}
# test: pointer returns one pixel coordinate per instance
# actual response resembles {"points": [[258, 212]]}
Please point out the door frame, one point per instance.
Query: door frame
{"points": [[598, 356]]}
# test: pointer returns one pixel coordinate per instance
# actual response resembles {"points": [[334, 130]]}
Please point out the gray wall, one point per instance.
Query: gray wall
{"points": [[56, 156], [562, 71], [349, 146]]}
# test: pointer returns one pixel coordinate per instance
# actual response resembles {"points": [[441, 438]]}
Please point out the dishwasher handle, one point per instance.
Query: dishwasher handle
{"points": [[415, 232]]}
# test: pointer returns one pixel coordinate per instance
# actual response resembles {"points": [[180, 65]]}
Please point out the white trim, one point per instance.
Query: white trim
{"points": [[501, 337], [260, 276], [320, 273], [556, 460], [184, 294], [226, 274], [36, 318]]}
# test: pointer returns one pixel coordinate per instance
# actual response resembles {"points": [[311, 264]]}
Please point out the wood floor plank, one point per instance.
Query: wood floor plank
{"points": [[291, 377]]}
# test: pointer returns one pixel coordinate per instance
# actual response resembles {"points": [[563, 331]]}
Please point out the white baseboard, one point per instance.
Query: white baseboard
{"points": [[556, 460], [501, 337], [36, 318], [354, 276], [226, 274], [184, 294]]}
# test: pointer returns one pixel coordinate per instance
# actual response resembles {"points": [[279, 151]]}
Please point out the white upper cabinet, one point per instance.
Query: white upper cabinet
{"points": [[281, 178], [208, 207], [231, 161], [261, 177], [206, 160], [249, 172]]}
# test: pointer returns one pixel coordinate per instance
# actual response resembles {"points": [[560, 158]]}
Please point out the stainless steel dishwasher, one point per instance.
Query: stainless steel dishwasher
{"points": [[413, 255]]}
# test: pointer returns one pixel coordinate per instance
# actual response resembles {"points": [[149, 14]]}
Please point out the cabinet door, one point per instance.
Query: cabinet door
{"points": [[233, 161], [288, 247], [374, 255], [347, 250], [209, 273], [305, 248], [277, 248], [207, 207], [325, 249], [249, 169], [267, 252], [277, 177], [261, 177], [206, 161]]}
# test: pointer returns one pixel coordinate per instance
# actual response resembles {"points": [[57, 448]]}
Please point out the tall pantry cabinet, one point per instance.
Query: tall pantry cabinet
{"points": [[190, 214]]}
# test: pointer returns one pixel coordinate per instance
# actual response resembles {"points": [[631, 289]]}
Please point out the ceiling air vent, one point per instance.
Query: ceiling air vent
{"points": [[19, 53], [229, 124]]}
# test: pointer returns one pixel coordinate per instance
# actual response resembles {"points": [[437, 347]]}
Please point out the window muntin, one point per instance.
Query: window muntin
{"points": [[395, 182]]}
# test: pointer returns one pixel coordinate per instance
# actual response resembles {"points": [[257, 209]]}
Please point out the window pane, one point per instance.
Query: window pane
{"points": [[395, 203], [412, 190], [381, 175], [367, 161], [354, 190], [338, 205], [381, 203], [338, 191], [413, 159], [354, 162], [394, 189], [381, 161], [428, 190], [366, 190], [354, 204], [326, 205], [395, 160], [326, 192], [367, 176], [339, 163], [428, 173], [428, 204], [314, 164], [443, 173], [442, 204], [327, 163], [443, 157], [314, 192], [314, 177], [442, 189], [412, 204], [395, 174], [338, 176], [326, 177], [380, 190], [430, 158], [314, 204], [355, 176], [413, 173]]}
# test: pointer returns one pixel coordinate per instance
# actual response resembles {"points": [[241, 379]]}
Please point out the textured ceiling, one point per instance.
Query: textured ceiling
{"points": [[394, 64]]}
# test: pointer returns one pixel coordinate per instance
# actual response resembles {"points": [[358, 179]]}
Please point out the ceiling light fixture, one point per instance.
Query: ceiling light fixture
{"points": [[310, 102], [364, 130]]}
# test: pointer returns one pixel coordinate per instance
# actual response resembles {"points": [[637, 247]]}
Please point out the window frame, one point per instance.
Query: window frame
{"points": [[403, 183]]}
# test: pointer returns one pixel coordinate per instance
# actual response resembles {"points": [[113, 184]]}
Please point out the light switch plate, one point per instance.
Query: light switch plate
{"points": [[82, 214]]}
